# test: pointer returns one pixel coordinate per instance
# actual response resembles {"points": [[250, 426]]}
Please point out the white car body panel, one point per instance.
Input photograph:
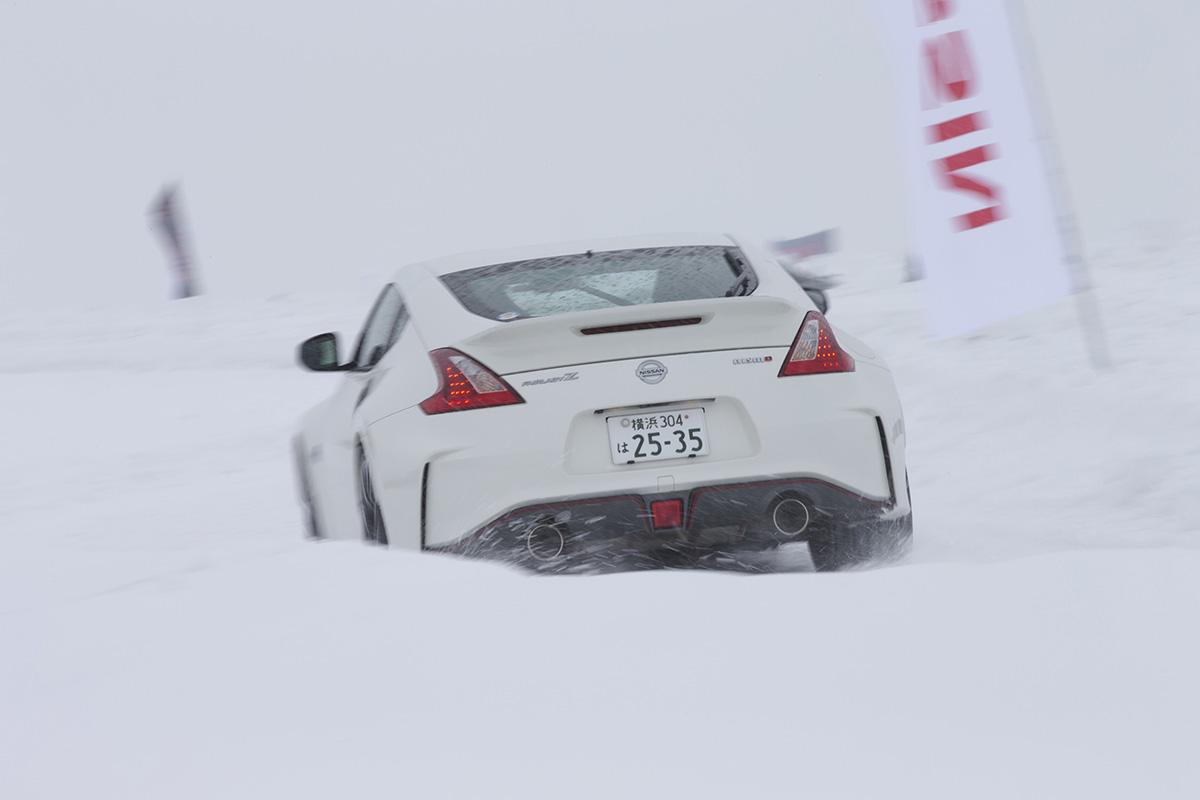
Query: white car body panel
{"points": [[440, 477]]}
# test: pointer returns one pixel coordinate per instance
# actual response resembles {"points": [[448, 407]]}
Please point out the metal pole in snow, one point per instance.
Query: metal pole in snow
{"points": [[1094, 334]]}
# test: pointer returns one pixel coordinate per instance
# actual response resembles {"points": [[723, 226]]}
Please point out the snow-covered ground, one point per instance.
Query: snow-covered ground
{"points": [[166, 633]]}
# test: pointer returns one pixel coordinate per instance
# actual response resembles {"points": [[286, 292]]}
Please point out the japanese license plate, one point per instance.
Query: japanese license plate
{"points": [[679, 433]]}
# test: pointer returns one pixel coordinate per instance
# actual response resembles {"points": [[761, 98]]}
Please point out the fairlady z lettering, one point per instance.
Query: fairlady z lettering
{"points": [[570, 376]]}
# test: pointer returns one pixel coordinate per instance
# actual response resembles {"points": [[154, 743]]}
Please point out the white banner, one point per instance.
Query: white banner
{"points": [[979, 199]]}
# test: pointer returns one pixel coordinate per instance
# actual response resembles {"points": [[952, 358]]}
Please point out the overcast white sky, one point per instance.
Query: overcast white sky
{"points": [[325, 141]]}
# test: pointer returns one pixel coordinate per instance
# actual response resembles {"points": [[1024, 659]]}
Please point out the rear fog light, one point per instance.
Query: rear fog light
{"points": [[667, 514]]}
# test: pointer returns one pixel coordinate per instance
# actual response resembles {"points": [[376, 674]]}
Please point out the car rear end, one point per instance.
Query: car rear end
{"points": [[677, 399]]}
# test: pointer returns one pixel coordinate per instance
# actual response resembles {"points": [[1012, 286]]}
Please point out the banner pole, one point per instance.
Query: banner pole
{"points": [[166, 217], [1090, 320]]}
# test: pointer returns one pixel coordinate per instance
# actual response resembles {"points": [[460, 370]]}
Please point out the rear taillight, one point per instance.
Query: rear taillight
{"points": [[466, 384], [816, 350]]}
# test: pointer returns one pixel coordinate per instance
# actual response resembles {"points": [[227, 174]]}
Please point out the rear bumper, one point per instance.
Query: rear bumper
{"points": [[741, 517]]}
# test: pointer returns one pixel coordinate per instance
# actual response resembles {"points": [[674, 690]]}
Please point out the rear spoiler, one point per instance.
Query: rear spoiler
{"points": [[644, 331]]}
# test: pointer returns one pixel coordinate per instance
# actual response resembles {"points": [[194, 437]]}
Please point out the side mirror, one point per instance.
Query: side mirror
{"points": [[320, 353], [819, 298]]}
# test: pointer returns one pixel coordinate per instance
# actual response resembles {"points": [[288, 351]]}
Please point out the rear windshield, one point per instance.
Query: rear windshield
{"points": [[585, 281]]}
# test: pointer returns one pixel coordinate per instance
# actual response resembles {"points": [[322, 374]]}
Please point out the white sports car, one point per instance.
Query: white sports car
{"points": [[652, 401]]}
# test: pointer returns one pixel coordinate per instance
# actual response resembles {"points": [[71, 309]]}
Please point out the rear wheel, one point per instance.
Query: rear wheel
{"points": [[878, 543], [372, 515]]}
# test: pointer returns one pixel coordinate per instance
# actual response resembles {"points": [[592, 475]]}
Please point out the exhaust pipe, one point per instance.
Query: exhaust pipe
{"points": [[790, 517], [545, 542]]}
